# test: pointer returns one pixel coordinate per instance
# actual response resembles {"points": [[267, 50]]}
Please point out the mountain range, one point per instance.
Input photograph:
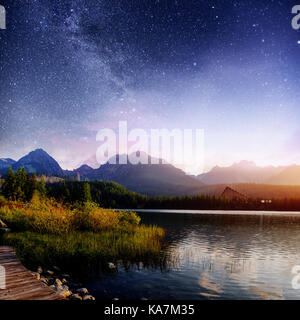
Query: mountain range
{"points": [[150, 179], [6, 163], [158, 179]]}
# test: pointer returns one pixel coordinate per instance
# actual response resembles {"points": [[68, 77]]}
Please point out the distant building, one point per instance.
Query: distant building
{"points": [[231, 194]]}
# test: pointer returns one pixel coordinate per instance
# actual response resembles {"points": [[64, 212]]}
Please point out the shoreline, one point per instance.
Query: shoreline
{"points": [[217, 212], [62, 284]]}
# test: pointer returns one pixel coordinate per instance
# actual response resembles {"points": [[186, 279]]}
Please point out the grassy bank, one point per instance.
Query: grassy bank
{"points": [[86, 252], [80, 239], [49, 216]]}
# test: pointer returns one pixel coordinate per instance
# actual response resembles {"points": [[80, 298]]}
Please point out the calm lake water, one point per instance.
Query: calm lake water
{"points": [[214, 255]]}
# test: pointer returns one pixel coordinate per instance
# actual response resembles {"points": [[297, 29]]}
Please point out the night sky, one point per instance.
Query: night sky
{"points": [[71, 68]]}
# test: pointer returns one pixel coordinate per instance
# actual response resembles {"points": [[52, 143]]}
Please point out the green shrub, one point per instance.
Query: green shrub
{"points": [[49, 216], [129, 218], [2, 200]]}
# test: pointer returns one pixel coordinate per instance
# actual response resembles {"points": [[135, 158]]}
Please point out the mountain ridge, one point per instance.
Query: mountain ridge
{"points": [[6, 162], [39, 162], [289, 176], [152, 179], [162, 179], [241, 172]]}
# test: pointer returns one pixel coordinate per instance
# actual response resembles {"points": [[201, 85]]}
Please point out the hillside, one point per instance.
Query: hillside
{"points": [[289, 176], [106, 194], [158, 179], [262, 191], [39, 162], [6, 163], [242, 172]]}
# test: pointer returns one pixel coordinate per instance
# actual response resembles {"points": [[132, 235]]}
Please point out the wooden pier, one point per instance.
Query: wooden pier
{"points": [[20, 284]]}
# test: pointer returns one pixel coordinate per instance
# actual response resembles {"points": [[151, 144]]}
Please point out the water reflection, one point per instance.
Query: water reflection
{"points": [[215, 257]]}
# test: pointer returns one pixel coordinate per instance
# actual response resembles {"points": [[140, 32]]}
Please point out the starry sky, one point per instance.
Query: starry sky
{"points": [[70, 68]]}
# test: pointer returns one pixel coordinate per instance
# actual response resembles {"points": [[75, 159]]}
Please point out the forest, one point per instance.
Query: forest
{"points": [[20, 186]]}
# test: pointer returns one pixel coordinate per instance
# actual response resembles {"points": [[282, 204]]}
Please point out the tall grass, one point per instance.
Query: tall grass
{"points": [[78, 239], [86, 252], [48, 216]]}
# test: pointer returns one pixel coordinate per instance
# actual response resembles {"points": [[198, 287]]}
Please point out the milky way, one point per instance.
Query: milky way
{"points": [[70, 68]]}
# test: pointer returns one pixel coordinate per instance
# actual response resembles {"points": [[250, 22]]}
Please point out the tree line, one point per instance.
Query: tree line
{"points": [[21, 186], [104, 193], [112, 195]]}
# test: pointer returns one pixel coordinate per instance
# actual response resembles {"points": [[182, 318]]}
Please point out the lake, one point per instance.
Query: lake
{"points": [[213, 255]]}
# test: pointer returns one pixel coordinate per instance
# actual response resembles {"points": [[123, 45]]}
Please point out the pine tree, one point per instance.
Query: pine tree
{"points": [[20, 185], [9, 186], [32, 186], [42, 187], [25, 185], [63, 191], [86, 193]]}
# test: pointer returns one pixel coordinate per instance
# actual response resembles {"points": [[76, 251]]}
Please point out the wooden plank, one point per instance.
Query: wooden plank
{"points": [[20, 283]]}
